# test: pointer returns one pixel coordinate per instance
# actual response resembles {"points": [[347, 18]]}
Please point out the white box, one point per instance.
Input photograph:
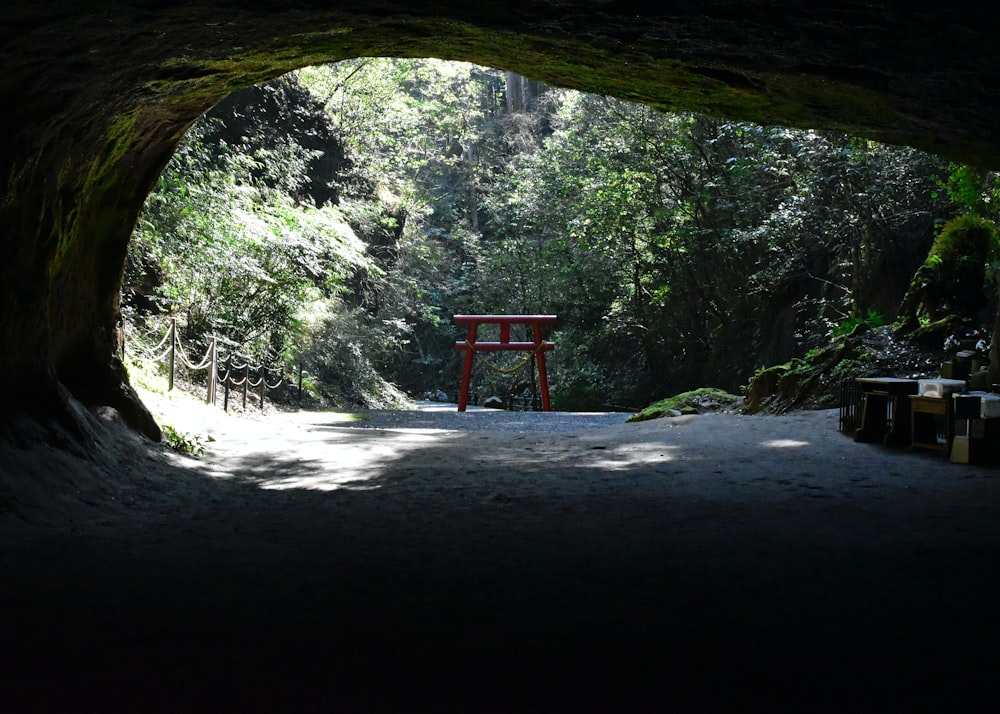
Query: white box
{"points": [[939, 387], [989, 406]]}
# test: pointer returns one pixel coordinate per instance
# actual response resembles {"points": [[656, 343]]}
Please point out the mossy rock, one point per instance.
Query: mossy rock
{"points": [[951, 279], [782, 387], [694, 402], [933, 334], [777, 381]]}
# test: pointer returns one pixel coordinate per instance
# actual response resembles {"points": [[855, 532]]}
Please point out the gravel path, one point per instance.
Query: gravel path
{"points": [[442, 415]]}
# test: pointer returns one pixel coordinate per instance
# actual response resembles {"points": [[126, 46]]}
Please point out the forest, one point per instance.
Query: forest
{"points": [[332, 221]]}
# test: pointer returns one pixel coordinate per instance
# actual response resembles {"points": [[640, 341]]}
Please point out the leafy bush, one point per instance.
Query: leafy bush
{"points": [[341, 349], [867, 321], [966, 237], [184, 443], [579, 397]]}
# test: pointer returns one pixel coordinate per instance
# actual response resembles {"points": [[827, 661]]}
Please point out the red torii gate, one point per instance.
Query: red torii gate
{"points": [[470, 346]]}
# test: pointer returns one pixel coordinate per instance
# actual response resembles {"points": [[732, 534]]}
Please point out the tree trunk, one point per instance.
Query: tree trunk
{"points": [[472, 208], [522, 93]]}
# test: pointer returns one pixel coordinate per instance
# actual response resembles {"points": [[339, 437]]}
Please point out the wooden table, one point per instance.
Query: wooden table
{"points": [[471, 346], [885, 411]]}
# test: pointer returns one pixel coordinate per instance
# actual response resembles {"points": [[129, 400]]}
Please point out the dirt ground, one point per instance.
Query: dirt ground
{"points": [[535, 563]]}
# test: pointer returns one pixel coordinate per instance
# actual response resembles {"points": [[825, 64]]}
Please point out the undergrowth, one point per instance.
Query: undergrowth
{"points": [[185, 443]]}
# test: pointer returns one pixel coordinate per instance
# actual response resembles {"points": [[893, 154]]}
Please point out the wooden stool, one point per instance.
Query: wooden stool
{"points": [[930, 423]]}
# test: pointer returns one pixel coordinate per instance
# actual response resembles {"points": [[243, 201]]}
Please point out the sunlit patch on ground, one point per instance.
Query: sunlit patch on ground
{"points": [[344, 417], [625, 457], [350, 480], [783, 443], [328, 456]]}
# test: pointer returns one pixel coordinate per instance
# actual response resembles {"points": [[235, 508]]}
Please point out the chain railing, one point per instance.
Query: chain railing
{"points": [[227, 376], [245, 377]]}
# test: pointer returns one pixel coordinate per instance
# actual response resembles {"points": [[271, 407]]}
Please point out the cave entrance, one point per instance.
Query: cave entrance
{"points": [[356, 207]]}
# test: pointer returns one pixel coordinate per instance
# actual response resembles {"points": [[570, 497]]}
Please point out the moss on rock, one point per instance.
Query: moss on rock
{"points": [[951, 281], [799, 381], [692, 402], [815, 381]]}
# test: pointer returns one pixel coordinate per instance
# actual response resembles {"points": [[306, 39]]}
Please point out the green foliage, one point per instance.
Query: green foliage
{"points": [[963, 238], [579, 397], [677, 250], [233, 256], [182, 442], [867, 321], [973, 190], [675, 241], [844, 365], [340, 349], [828, 401]]}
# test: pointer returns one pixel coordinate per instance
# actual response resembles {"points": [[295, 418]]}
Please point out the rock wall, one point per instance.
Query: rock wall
{"points": [[95, 100]]}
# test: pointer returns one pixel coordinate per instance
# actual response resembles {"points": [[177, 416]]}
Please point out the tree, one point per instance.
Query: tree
{"points": [[223, 243]]}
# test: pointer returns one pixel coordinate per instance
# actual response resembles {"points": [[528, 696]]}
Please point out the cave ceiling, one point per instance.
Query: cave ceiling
{"points": [[891, 71]]}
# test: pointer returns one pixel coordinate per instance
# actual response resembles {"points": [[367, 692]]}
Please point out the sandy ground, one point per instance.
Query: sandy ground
{"points": [[555, 562]]}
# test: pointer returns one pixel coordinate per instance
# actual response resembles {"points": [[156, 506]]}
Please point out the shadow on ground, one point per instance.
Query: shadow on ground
{"points": [[711, 566]]}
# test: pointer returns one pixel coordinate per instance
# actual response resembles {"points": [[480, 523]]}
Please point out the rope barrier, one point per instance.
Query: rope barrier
{"points": [[166, 337], [218, 374], [147, 351], [205, 361], [162, 356], [143, 351]]}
